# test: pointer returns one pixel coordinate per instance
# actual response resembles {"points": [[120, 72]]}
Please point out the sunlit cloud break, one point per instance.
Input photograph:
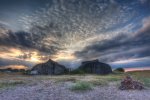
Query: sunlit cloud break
{"points": [[67, 27]]}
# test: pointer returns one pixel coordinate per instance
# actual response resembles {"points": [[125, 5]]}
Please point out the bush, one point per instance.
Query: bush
{"points": [[119, 70], [80, 86]]}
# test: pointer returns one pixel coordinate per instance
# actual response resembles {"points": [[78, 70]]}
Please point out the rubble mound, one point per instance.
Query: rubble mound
{"points": [[129, 83]]}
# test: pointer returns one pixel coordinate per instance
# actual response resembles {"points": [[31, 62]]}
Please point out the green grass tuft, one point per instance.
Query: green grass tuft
{"points": [[82, 86]]}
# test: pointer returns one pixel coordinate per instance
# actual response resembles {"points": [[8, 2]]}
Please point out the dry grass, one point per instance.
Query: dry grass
{"points": [[10, 84], [143, 76]]}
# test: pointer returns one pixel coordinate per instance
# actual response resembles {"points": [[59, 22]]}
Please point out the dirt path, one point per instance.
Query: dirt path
{"points": [[51, 91]]}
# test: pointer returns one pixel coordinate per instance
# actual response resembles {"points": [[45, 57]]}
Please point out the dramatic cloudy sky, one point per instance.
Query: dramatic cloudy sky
{"points": [[70, 31]]}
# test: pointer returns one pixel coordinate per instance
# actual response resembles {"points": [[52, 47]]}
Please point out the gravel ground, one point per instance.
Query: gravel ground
{"points": [[48, 90]]}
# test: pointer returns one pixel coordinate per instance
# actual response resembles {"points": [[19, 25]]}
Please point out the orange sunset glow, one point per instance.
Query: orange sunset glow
{"points": [[136, 69], [15, 67]]}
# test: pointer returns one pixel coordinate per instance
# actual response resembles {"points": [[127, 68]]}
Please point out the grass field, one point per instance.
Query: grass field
{"points": [[16, 79]]}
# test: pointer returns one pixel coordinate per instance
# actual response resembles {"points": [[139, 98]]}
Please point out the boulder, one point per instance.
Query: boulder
{"points": [[49, 68], [95, 67]]}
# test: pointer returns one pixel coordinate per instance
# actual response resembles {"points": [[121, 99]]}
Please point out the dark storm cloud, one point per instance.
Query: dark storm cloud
{"points": [[145, 2], [144, 62], [24, 40], [6, 62], [120, 47]]}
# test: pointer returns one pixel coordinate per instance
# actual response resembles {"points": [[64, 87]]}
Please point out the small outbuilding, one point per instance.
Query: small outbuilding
{"points": [[49, 68], [95, 67]]}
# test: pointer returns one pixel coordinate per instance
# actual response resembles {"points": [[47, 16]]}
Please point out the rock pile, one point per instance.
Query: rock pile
{"points": [[129, 83]]}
